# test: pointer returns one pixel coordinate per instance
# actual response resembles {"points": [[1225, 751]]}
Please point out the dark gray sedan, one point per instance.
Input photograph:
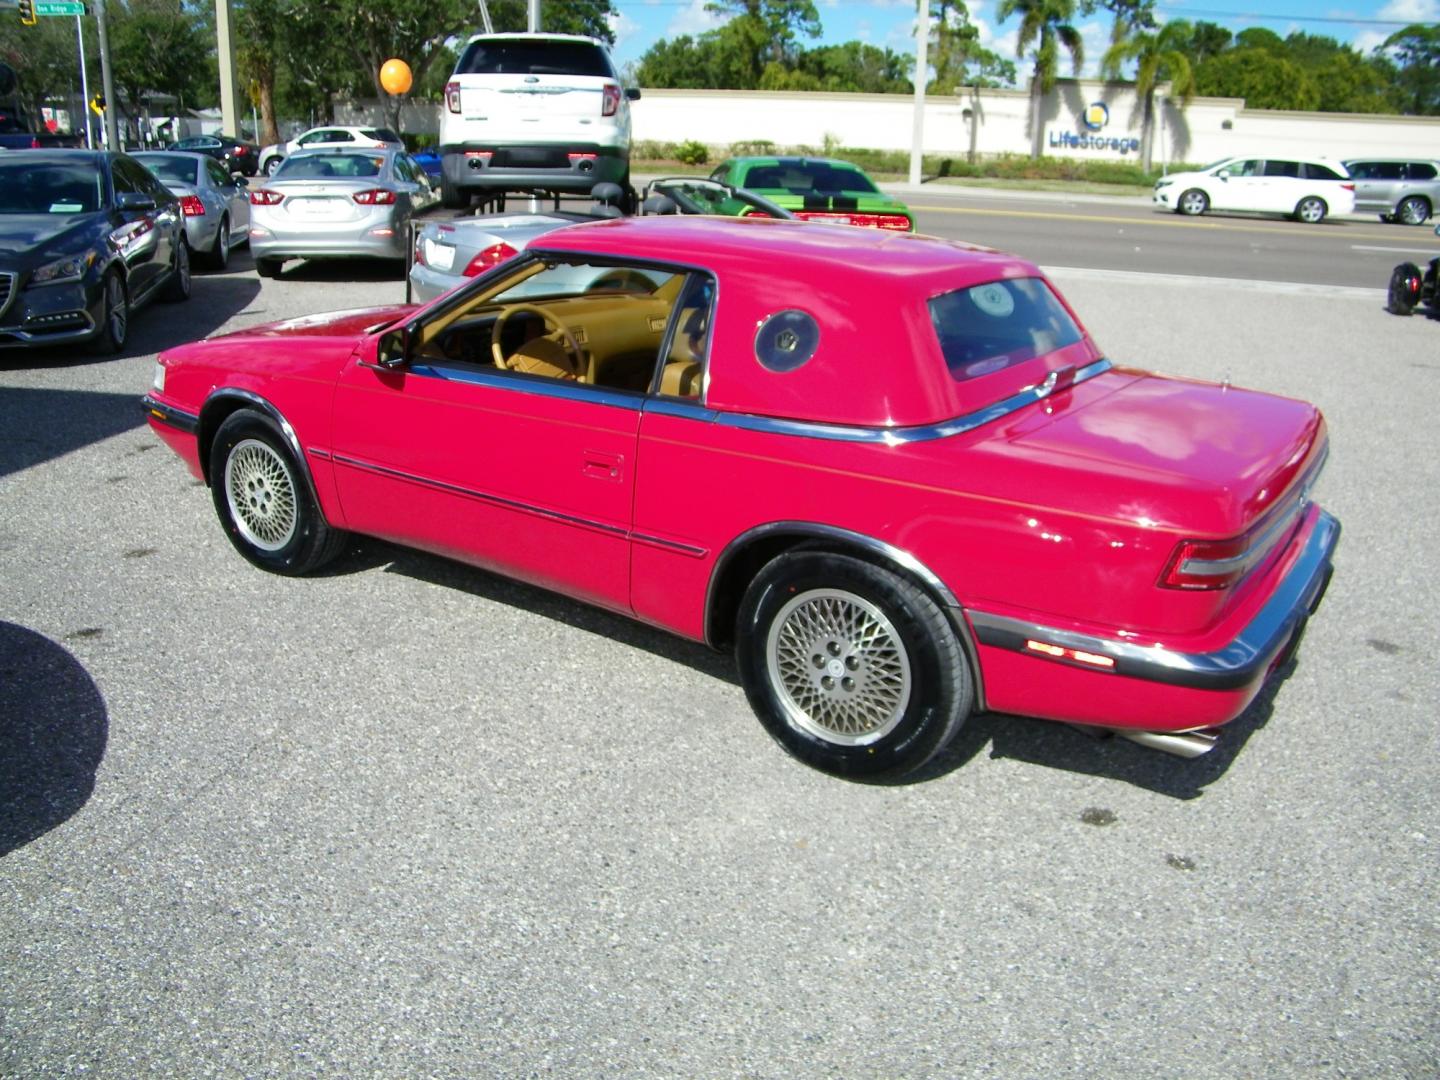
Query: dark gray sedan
{"points": [[214, 201]]}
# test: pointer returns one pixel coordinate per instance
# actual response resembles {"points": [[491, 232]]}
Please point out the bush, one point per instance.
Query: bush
{"points": [[753, 148], [692, 152]]}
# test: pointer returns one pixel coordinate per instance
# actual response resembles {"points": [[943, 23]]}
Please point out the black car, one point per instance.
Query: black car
{"points": [[86, 237], [237, 155]]}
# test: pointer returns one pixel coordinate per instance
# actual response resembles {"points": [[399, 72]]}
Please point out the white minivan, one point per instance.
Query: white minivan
{"points": [[1307, 189], [533, 112]]}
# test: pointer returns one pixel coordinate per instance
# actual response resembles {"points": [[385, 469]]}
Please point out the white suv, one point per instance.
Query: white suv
{"points": [[324, 138], [1307, 189], [527, 112]]}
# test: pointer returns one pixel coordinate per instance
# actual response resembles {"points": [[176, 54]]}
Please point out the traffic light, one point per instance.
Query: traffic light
{"points": [[27, 12], [97, 104]]}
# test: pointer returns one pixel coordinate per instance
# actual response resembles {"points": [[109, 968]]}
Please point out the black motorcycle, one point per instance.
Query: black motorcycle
{"points": [[1410, 286]]}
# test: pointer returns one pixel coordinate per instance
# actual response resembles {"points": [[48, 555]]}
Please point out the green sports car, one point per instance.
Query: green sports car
{"points": [[818, 189]]}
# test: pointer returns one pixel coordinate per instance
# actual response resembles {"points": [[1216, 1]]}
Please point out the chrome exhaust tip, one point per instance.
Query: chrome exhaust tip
{"points": [[1186, 744]]}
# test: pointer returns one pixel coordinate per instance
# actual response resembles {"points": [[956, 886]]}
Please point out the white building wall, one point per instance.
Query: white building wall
{"points": [[989, 122]]}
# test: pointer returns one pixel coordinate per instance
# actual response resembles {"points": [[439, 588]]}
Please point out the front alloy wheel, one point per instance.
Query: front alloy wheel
{"points": [[115, 317], [1192, 202], [854, 669]]}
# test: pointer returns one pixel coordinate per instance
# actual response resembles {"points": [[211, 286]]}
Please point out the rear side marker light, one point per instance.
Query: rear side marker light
{"points": [[191, 206], [1077, 656]]}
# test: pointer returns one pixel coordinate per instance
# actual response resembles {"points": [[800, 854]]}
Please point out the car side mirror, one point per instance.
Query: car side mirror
{"points": [[632, 93], [394, 350], [134, 200]]}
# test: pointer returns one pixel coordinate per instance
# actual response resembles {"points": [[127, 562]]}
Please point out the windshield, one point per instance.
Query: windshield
{"points": [[329, 166], [800, 177], [695, 196], [173, 170], [51, 187], [988, 328]]}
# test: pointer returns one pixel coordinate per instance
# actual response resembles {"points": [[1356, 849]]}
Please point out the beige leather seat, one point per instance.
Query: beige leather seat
{"points": [[684, 372]]}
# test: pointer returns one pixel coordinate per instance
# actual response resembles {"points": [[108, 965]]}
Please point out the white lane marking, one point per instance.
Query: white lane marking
{"points": [[1398, 251]]}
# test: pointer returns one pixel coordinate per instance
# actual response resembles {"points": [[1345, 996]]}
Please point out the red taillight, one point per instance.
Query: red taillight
{"points": [[265, 197], [452, 96], [610, 100], [893, 222], [375, 197], [494, 255], [191, 206], [1348, 187], [1218, 564], [240, 151], [581, 157]]}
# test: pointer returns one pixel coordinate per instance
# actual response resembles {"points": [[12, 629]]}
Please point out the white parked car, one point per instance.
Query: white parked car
{"points": [[324, 138], [1307, 189], [527, 112]]}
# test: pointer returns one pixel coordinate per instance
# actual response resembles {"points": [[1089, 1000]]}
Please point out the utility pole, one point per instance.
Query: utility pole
{"points": [[229, 86], [107, 80], [532, 20], [922, 70]]}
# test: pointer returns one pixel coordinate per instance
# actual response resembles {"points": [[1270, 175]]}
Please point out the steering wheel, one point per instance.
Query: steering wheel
{"points": [[560, 336]]}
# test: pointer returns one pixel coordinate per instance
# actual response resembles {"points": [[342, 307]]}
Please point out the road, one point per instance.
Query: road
{"points": [[407, 819], [1130, 234]]}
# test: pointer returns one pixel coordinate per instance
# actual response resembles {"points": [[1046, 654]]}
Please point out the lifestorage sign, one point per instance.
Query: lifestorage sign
{"points": [[1093, 122]]}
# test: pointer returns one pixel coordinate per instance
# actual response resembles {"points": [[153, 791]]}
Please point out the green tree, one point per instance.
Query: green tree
{"points": [[775, 25], [1264, 80], [957, 55], [1158, 56], [1204, 40], [45, 60], [1416, 50], [1045, 28], [157, 46], [857, 67]]}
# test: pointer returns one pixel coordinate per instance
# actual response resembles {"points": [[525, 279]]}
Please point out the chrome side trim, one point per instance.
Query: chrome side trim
{"points": [[538, 385], [179, 419], [1237, 664], [481, 496], [920, 433], [8, 291]]}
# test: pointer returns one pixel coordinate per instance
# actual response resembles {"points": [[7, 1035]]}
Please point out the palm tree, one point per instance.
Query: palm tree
{"points": [[1044, 28], [1158, 57]]}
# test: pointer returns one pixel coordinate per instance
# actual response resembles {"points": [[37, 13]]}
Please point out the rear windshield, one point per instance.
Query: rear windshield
{"points": [[380, 134], [172, 170], [534, 58], [320, 166], [988, 328], [801, 177]]}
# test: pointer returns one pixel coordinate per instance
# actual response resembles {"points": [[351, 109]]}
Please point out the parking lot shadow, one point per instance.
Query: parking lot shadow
{"points": [[1039, 742], [214, 300], [53, 731], [38, 425]]}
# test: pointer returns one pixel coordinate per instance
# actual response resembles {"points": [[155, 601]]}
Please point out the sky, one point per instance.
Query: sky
{"points": [[889, 23]]}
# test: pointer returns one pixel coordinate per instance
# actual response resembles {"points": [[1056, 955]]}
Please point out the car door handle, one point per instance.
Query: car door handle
{"points": [[601, 466]]}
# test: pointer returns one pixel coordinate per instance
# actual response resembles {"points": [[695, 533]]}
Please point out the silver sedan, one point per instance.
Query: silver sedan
{"points": [[215, 203], [336, 204]]}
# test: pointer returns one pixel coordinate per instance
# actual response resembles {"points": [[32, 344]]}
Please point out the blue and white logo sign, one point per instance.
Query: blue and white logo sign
{"points": [[1096, 116]]}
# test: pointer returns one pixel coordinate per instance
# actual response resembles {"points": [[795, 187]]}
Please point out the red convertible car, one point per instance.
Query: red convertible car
{"points": [[893, 473]]}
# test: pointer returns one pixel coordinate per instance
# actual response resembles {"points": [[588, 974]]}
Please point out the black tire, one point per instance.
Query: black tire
{"points": [[1414, 210], [1311, 210], [853, 669], [272, 164], [178, 287], [264, 501], [219, 257], [115, 318], [452, 197], [1192, 203], [268, 267], [1404, 290]]}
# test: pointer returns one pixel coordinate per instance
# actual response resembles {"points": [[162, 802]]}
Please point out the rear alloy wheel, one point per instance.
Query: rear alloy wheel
{"points": [[263, 500], [452, 197], [1414, 210], [219, 258], [1311, 210], [1192, 203], [1404, 291], [178, 287], [850, 667], [273, 164], [115, 320]]}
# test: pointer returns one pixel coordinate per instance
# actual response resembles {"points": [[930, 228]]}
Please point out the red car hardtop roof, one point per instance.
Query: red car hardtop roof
{"points": [[878, 363]]}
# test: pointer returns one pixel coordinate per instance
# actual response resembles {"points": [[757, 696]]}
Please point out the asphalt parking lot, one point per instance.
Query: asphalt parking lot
{"points": [[407, 819]]}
